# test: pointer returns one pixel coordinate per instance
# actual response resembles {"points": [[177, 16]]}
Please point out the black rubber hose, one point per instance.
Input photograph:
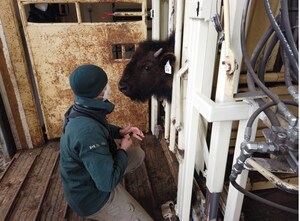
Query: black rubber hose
{"points": [[294, 19], [287, 27], [267, 53], [251, 85], [287, 75], [248, 64], [262, 200], [264, 107], [287, 70], [257, 51], [283, 41]]}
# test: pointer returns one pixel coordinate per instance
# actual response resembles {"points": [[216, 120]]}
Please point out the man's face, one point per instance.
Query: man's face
{"points": [[100, 96]]}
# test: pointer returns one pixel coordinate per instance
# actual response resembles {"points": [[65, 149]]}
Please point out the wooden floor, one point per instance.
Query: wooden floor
{"points": [[30, 188]]}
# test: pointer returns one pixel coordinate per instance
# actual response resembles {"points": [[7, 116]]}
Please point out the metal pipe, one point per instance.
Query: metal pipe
{"points": [[167, 120], [155, 36], [177, 52], [170, 31], [178, 75], [227, 27], [78, 13]]}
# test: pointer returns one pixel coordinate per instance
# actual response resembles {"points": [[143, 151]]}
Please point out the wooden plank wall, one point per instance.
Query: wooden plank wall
{"points": [[19, 91]]}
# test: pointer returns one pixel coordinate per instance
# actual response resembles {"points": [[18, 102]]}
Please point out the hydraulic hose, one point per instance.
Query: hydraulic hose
{"points": [[257, 51], [262, 200], [250, 82], [283, 41], [267, 53], [248, 63], [291, 118], [287, 27], [264, 107], [271, 116], [288, 74], [253, 79], [287, 78]]}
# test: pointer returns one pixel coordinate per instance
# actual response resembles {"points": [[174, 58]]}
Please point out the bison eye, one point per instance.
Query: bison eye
{"points": [[147, 68]]}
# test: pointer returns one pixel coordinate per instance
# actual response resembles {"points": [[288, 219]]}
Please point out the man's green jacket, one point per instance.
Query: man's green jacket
{"points": [[90, 164]]}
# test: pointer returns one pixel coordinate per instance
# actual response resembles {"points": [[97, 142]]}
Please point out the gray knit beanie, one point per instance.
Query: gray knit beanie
{"points": [[88, 80]]}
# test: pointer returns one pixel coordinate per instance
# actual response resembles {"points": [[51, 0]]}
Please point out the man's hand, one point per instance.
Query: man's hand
{"points": [[126, 142], [132, 131]]}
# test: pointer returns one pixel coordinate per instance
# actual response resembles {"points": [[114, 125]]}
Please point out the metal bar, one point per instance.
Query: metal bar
{"points": [[234, 197], [171, 28], [167, 120], [78, 13], [185, 182], [179, 75], [177, 51], [276, 181], [181, 108], [128, 14], [155, 36], [218, 152], [229, 111], [221, 131], [201, 56]]}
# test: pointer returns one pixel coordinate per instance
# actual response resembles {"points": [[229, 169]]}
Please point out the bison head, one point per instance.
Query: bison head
{"points": [[145, 75]]}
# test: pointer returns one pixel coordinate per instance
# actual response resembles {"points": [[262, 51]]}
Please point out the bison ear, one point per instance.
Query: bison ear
{"points": [[168, 61], [169, 56]]}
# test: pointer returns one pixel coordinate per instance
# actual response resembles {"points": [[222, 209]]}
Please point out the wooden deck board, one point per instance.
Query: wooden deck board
{"points": [[31, 187], [138, 185], [54, 205], [13, 179], [162, 181], [34, 187]]}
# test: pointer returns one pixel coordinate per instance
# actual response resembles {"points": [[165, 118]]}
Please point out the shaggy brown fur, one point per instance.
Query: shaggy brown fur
{"points": [[144, 76]]}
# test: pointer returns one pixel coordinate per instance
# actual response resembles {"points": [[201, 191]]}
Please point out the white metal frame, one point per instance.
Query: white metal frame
{"points": [[200, 109], [189, 123], [155, 36]]}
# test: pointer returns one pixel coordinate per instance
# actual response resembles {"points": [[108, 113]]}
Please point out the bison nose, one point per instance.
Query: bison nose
{"points": [[123, 88]]}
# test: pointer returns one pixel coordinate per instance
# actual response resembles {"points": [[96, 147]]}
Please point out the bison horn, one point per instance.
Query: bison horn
{"points": [[158, 52]]}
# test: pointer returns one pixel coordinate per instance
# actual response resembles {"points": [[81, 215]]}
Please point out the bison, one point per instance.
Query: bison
{"points": [[150, 71]]}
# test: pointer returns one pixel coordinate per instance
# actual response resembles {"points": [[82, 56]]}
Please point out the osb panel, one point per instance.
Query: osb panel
{"points": [[20, 71], [57, 49]]}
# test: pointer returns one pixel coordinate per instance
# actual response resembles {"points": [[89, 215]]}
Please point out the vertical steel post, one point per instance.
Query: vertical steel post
{"points": [[201, 56], [155, 36]]}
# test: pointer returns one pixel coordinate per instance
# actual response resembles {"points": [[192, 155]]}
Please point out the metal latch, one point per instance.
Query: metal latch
{"points": [[151, 13]]}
